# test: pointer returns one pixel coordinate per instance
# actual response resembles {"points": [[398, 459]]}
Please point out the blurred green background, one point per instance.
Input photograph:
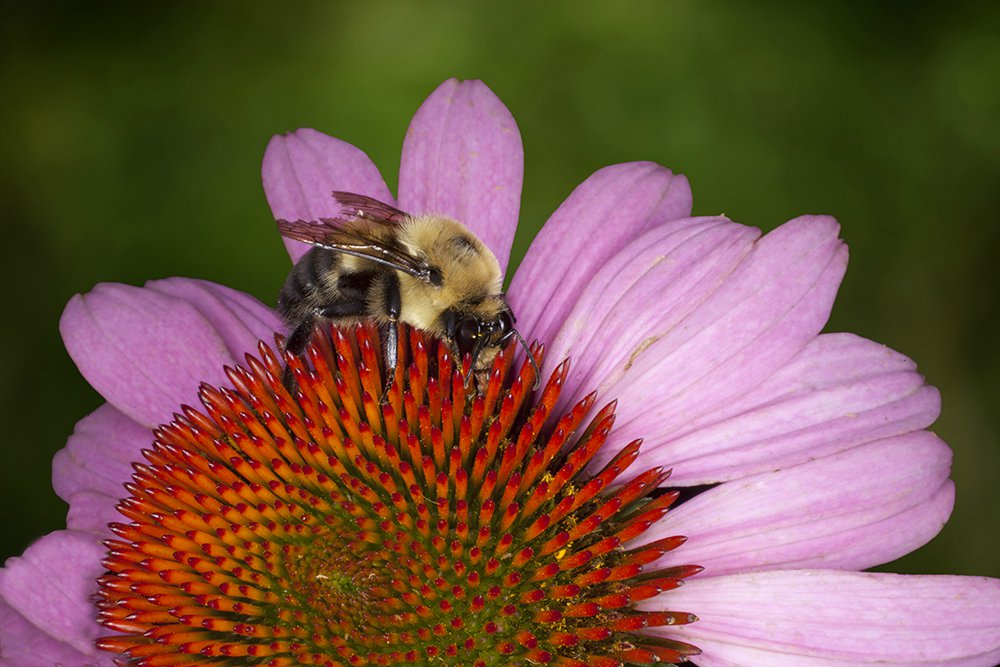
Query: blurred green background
{"points": [[133, 135]]}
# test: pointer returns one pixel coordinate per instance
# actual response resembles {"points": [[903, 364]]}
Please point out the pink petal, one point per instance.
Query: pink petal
{"points": [[849, 511], [99, 454], [51, 586], [838, 392], [300, 171], [25, 645], [816, 618], [146, 351], [601, 216], [462, 158], [88, 473], [682, 263], [239, 319], [92, 511], [774, 303]]}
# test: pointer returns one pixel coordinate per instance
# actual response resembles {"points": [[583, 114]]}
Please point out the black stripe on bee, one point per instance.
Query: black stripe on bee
{"points": [[464, 244]]}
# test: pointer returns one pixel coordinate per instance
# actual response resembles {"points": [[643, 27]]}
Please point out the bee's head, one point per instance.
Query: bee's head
{"points": [[482, 335], [473, 332]]}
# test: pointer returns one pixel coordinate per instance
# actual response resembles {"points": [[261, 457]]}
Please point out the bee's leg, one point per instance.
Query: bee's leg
{"points": [[298, 340], [393, 306], [296, 343], [391, 350]]}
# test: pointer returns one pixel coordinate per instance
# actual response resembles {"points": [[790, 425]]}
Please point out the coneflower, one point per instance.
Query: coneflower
{"points": [[444, 526]]}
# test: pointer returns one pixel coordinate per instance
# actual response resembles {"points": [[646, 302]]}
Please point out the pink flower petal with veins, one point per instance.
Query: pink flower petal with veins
{"points": [[146, 350], [601, 216], [51, 584], [300, 171], [239, 319], [849, 511], [681, 263], [462, 157], [98, 455], [92, 511], [764, 312], [826, 618], [23, 644], [838, 392]]}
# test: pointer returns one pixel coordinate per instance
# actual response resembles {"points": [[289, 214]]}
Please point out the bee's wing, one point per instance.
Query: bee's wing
{"points": [[353, 206], [336, 234]]}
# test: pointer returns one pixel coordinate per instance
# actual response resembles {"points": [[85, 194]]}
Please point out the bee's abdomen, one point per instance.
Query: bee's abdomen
{"points": [[303, 289], [317, 283], [355, 286]]}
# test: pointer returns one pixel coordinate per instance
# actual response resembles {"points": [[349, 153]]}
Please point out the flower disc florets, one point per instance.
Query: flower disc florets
{"points": [[435, 526]]}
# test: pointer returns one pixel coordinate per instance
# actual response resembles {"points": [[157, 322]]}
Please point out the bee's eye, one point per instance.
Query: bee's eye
{"points": [[501, 328], [467, 335], [506, 323]]}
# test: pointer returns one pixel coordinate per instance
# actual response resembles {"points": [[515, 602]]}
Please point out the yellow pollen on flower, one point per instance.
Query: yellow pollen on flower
{"points": [[437, 525]]}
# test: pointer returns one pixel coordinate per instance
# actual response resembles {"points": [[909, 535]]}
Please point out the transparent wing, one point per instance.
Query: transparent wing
{"points": [[354, 206], [343, 233]]}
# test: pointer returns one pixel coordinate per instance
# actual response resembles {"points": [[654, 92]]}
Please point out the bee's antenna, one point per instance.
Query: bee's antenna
{"points": [[531, 358]]}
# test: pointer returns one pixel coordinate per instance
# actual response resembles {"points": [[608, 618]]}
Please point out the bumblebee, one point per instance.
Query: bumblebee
{"points": [[371, 260]]}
